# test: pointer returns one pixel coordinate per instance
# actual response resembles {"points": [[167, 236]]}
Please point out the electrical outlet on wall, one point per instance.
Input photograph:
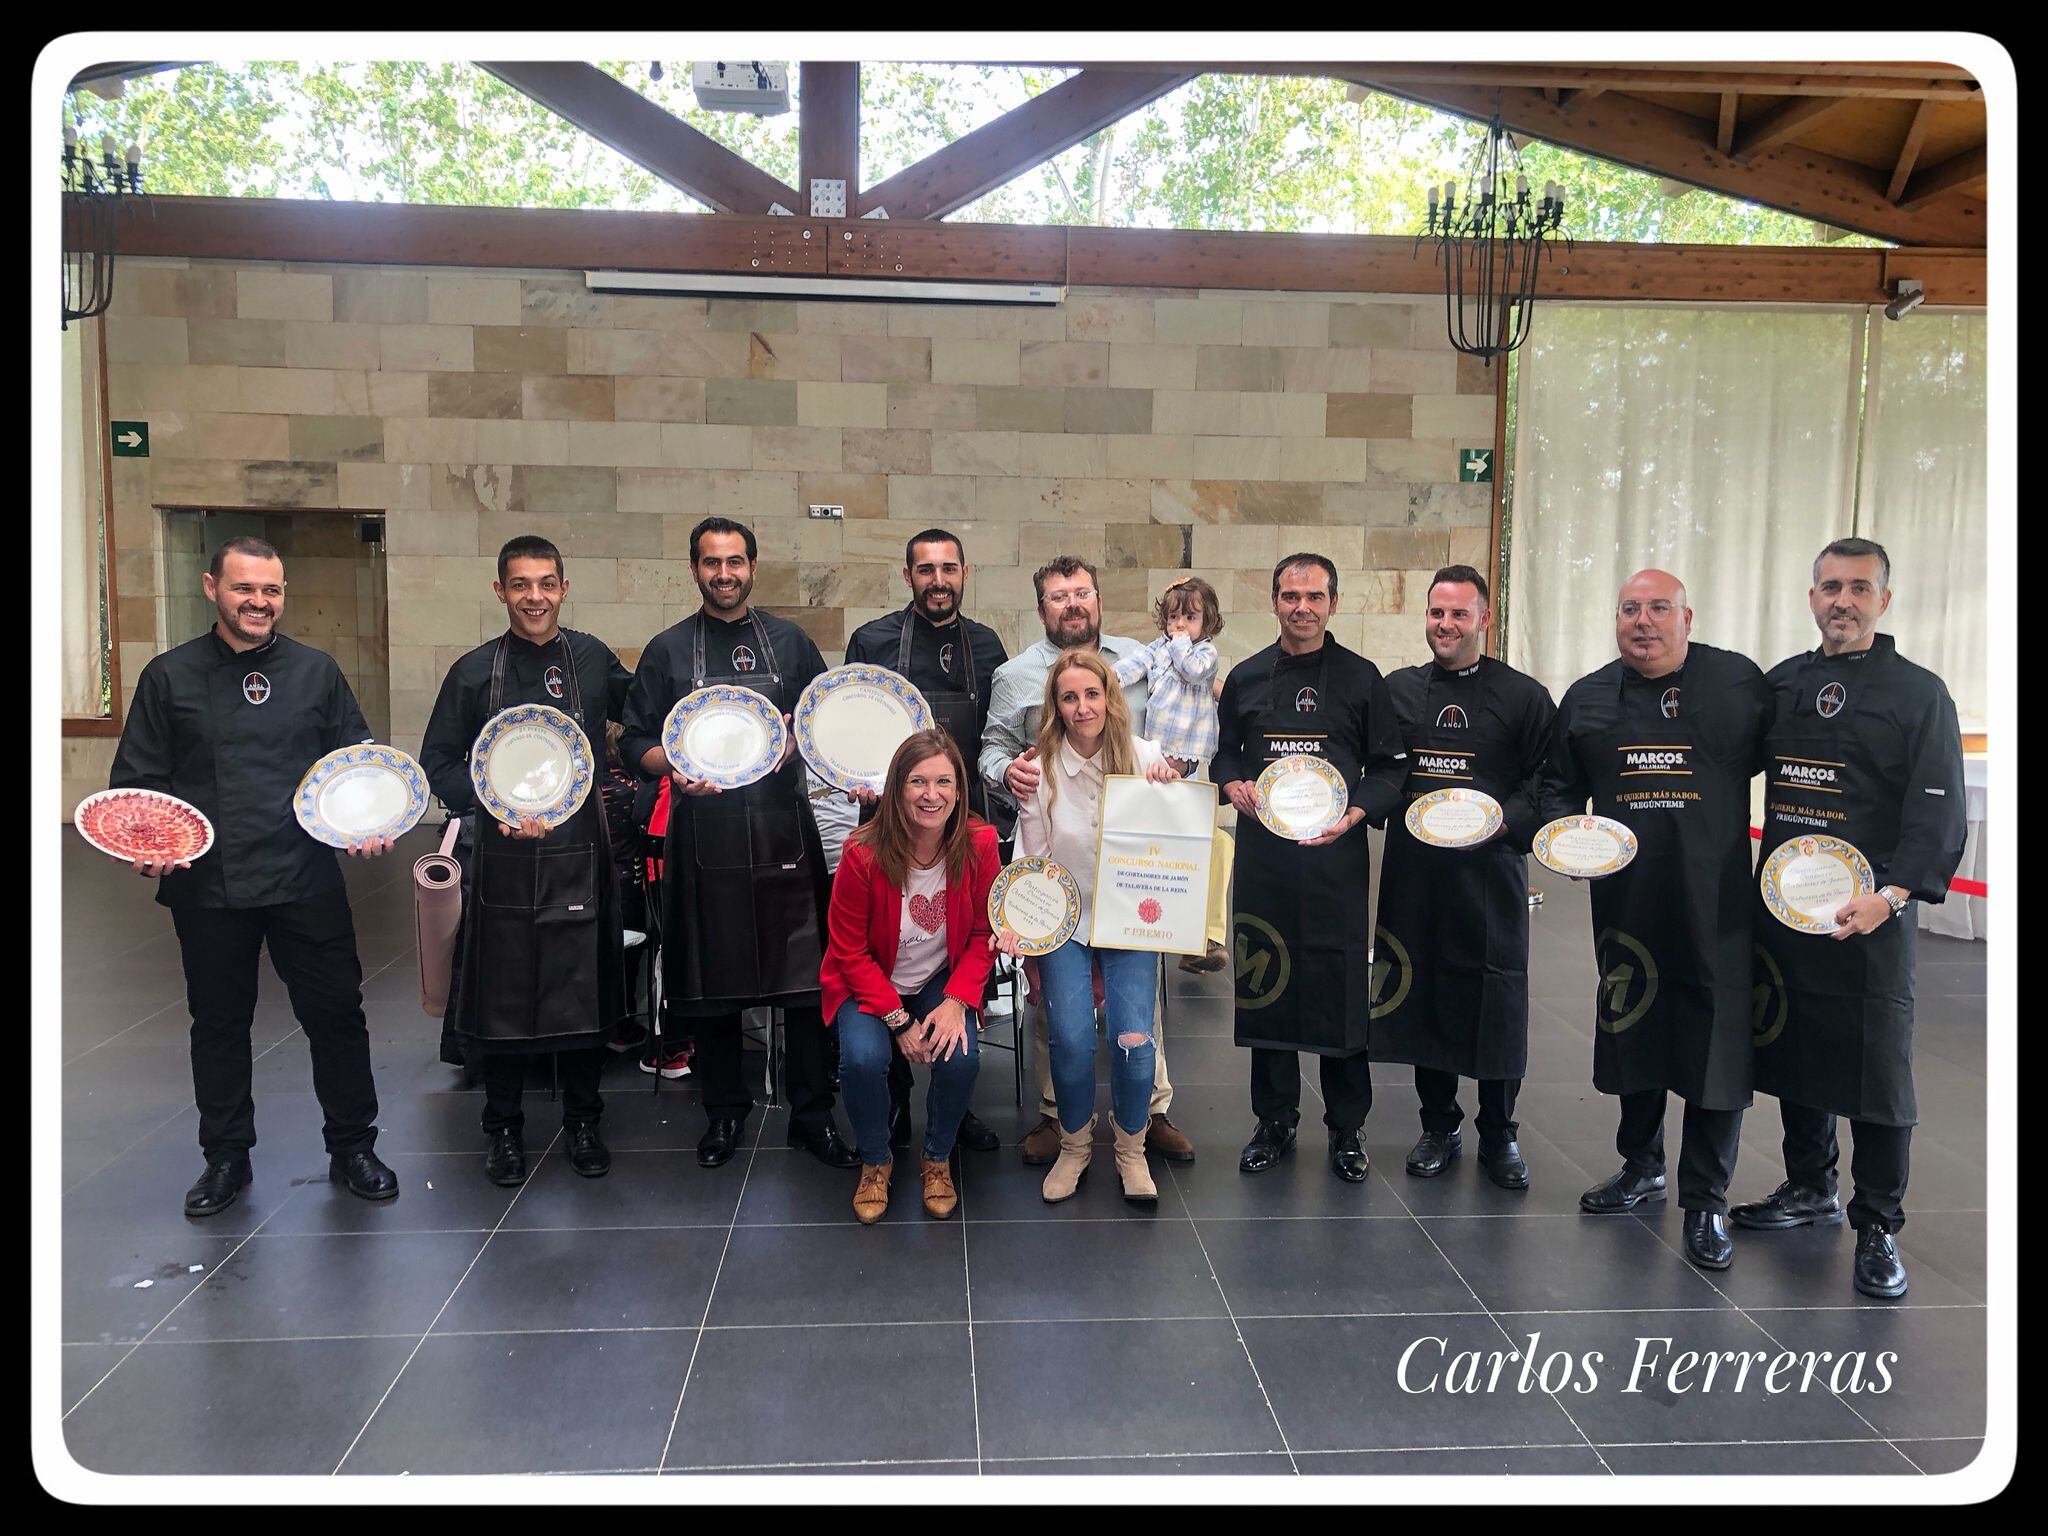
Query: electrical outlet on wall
{"points": [[819, 511], [828, 197]]}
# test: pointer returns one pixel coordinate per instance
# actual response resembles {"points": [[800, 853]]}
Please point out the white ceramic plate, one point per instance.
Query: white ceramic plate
{"points": [[724, 735], [131, 824], [851, 720], [356, 793], [1585, 847], [1301, 796], [1038, 901], [1806, 880], [532, 760], [1454, 818]]}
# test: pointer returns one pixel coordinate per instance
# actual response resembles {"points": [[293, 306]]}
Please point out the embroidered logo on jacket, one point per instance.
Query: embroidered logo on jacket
{"points": [[553, 678], [1305, 701], [1668, 705], [1451, 718], [743, 658], [1830, 700], [255, 687], [946, 658]]}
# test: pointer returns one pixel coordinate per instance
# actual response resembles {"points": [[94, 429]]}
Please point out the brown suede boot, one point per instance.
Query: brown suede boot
{"points": [[940, 1199], [1076, 1147], [871, 1195], [1130, 1167], [1042, 1142], [1166, 1138]]}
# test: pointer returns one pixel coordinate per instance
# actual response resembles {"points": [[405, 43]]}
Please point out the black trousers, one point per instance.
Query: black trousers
{"points": [[1877, 1162], [806, 1080], [1346, 1082], [312, 947], [1442, 1113], [1706, 1155], [505, 1078]]}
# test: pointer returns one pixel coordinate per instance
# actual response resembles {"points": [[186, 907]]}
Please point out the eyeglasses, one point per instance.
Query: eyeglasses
{"points": [[1061, 599], [1658, 607]]}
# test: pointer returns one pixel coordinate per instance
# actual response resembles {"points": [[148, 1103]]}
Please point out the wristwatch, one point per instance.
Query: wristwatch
{"points": [[1896, 903], [898, 1021]]}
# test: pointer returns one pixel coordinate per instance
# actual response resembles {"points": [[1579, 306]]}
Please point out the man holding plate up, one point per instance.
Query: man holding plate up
{"points": [[744, 872], [1451, 957], [1303, 909], [1864, 749], [1665, 739], [541, 945]]}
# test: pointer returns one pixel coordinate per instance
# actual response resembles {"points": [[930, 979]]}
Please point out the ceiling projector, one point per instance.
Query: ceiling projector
{"points": [[741, 85]]}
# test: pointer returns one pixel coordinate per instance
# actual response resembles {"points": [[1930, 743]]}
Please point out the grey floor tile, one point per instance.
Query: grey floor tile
{"points": [[1850, 1458], [437, 1192], [1245, 1464], [637, 1278], [842, 1274], [1285, 1268], [1037, 1270], [117, 1287], [1514, 1461], [644, 1189], [1544, 1263], [1939, 1458], [1933, 1357], [82, 1367], [306, 1285]]}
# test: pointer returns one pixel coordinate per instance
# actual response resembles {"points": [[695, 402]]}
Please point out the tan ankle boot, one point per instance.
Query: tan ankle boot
{"points": [[940, 1198], [871, 1196], [1064, 1177], [1130, 1167]]}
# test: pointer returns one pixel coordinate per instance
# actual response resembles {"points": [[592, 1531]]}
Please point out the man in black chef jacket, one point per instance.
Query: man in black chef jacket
{"points": [[229, 723], [1665, 740], [1451, 953], [1302, 911], [744, 871], [952, 661], [541, 938], [1864, 747]]}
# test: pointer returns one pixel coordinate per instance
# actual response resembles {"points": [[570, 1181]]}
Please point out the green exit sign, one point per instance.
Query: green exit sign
{"points": [[131, 439], [1475, 465]]}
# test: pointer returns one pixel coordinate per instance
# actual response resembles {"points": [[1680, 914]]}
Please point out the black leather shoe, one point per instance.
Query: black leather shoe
{"points": [[588, 1155], [899, 1127], [1503, 1164], [1433, 1152], [719, 1144], [827, 1147], [1789, 1206], [975, 1136], [364, 1174], [1347, 1158], [1880, 1271], [1273, 1140], [218, 1186], [1706, 1239], [1624, 1192], [505, 1162]]}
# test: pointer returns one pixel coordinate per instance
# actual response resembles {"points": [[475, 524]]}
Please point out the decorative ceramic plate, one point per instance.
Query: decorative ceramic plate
{"points": [[1301, 796], [1038, 901], [532, 760], [131, 824], [1585, 847], [356, 793], [725, 735], [1454, 818], [1806, 880], [851, 720]]}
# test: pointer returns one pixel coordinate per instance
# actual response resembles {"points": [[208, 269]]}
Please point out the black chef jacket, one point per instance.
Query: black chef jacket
{"points": [[664, 677], [232, 733]]}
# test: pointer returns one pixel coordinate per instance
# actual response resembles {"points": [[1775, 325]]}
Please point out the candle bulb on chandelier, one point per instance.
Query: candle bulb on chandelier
{"points": [[134, 155]]}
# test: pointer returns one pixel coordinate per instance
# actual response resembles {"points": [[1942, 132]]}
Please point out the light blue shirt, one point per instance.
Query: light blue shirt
{"points": [[1018, 698]]}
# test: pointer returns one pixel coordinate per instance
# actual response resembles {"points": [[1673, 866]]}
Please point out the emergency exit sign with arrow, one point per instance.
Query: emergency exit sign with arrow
{"points": [[131, 439], [1475, 465]]}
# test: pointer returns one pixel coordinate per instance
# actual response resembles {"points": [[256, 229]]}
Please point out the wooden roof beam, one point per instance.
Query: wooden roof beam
{"points": [[1724, 131], [617, 115], [1783, 124], [828, 129], [1591, 80], [1021, 138], [1909, 152], [1955, 174]]}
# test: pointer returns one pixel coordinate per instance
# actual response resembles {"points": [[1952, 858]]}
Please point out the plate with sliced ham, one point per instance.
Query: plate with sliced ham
{"points": [[131, 824]]}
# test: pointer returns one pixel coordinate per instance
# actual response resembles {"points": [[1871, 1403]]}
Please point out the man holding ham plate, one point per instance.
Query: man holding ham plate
{"points": [[1864, 780], [1664, 739]]}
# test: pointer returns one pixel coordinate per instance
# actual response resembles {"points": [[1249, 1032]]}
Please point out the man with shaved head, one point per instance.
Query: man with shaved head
{"points": [[1665, 740]]}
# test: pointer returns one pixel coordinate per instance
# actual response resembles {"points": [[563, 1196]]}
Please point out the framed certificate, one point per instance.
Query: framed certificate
{"points": [[1152, 865], [1037, 900], [1454, 818], [1806, 879], [1301, 796], [1584, 847]]}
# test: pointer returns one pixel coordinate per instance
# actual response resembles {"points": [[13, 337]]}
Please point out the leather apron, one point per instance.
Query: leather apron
{"points": [[959, 712], [542, 959], [1672, 932], [1834, 1017], [1450, 976], [1302, 917], [746, 872]]}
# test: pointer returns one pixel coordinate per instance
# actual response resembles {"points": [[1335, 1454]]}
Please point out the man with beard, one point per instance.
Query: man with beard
{"points": [[953, 662], [1070, 608], [1302, 914], [1665, 739], [1863, 746], [744, 873], [230, 722], [1451, 957], [541, 940]]}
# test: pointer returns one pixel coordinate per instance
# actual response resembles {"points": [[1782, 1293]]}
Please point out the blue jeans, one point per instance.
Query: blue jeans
{"points": [[864, 1049], [1130, 985]]}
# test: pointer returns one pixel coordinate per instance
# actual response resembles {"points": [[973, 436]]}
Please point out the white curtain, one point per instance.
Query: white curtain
{"points": [[1717, 444], [1923, 493], [83, 494]]}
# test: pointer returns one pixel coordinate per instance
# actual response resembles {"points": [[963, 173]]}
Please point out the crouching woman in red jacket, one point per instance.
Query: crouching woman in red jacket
{"points": [[908, 955]]}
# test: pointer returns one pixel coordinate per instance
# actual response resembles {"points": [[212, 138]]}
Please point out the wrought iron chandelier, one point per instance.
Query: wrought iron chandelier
{"points": [[93, 196], [1492, 247]]}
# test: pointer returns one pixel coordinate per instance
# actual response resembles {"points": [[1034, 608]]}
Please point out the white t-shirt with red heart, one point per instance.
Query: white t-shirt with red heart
{"points": [[921, 937]]}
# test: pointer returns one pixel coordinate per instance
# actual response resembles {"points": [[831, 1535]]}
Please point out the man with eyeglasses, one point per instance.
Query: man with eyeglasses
{"points": [[1070, 608], [1665, 739]]}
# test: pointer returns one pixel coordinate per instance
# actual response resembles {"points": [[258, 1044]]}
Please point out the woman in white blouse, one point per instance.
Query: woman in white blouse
{"points": [[1085, 734]]}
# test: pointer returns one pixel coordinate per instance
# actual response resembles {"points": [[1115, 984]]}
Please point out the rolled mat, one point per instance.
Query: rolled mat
{"points": [[437, 912]]}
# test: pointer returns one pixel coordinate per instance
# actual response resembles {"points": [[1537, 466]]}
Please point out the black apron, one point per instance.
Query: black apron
{"points": [[1450, 975], [1671, 933], [746, 877], [1834, 1017], [1302, 917], [959, 712], [542, 955]]}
